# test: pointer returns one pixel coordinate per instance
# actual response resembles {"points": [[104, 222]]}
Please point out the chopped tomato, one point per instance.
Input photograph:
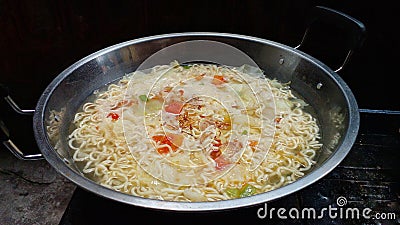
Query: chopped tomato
{"points": [[160, 139], [278, 119], [215, 154], [221, 163], [199, 77], [114, 116], [173, 140], [253, 143], [174, 107], [218, 80], [181, 92], [163, 150]]}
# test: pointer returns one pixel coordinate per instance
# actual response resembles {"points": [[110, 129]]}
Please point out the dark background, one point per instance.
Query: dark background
{"points": [[41, 38]]}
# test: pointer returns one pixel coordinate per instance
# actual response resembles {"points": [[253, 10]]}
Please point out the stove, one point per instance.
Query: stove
{"points": [[366, 184]]}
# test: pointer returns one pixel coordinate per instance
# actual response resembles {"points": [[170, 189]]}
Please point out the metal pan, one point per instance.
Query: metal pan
{"points": [[318, 84]]}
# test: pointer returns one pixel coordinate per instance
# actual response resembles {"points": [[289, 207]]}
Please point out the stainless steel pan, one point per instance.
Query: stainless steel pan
{"points": [[321, 86]]}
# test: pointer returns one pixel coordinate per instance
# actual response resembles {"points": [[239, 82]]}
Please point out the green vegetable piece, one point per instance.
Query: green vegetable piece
{"points": [[247, 190], [244, 132], [233, 192], [186, 66], [143, 98]]}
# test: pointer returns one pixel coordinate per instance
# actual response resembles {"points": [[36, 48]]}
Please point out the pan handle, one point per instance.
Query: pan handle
{"points": [[5, 133], [355, 28]]}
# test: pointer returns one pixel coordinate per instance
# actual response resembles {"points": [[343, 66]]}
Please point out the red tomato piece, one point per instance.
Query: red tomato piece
{"points": [[199, 77], [218, 80], [174, 107], [114, 116], [173, 140], [163, 150], [215, 154], [221, 163], [253, 143]]}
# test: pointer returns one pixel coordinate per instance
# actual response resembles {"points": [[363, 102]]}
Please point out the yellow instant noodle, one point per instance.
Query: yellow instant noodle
{"points": [[129, 138]]}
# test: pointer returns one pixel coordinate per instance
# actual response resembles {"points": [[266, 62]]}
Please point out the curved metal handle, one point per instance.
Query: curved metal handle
{"points": [[5, 134], [5, 94], [355, 28], [9, 144]]}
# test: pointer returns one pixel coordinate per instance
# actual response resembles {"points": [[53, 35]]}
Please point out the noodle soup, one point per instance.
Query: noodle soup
{"points": [[195, 133]]}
